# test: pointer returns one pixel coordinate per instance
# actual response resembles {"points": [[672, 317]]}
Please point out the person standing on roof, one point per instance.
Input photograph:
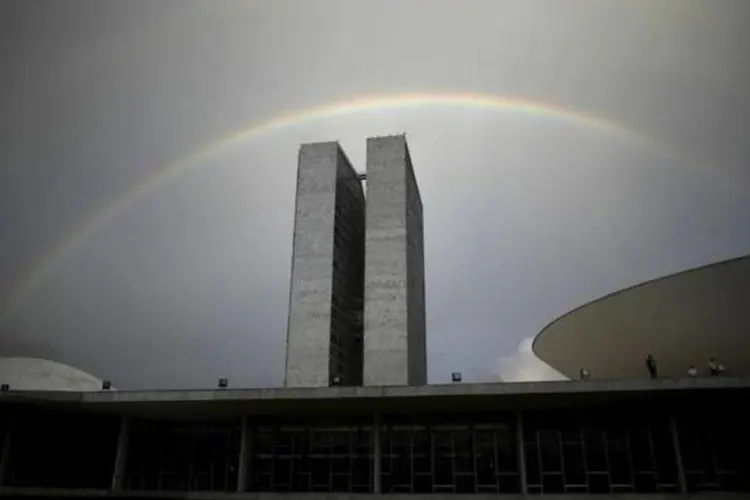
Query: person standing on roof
{"points": [[651, 365], [715, 368]]}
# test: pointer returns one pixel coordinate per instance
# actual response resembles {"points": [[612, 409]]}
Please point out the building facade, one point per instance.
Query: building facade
{"points": [[357, 292], [395, 342], [324, 336], [650, 438]]}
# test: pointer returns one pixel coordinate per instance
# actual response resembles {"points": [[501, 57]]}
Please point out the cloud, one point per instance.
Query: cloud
{"points": [[524, 366]]}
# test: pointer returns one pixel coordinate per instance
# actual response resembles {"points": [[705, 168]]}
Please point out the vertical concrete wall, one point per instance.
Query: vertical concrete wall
{"points": [[415, 283], [327, 283], [394, 295], [348, 275], [309, 328]]}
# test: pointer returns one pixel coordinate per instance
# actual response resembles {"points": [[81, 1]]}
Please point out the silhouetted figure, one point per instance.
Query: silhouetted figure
{"points": [[585, 375], [715, 368], [651, 365], [693, 371]]}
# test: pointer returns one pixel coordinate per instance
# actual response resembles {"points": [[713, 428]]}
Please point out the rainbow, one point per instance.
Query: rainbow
{"points": [[101, 217]]}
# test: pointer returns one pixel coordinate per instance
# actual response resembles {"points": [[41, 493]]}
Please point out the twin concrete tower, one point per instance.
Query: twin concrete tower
{"points": [[357, 294]]}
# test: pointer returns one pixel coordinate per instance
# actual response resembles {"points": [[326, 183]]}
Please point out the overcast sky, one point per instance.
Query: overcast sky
{"points": [[528, 214]]}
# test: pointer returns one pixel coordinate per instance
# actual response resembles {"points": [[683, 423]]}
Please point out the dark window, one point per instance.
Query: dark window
{"points": [[60, 450], [533, 471], [550, 452], [575, 470], [596, 451], [309, 460], [170, 455]]}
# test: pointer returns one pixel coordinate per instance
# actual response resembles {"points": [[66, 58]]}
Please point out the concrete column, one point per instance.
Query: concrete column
{"points": [[521, 452], [5, 452], [376, 454], [678, 455], [121, 456], [245, 455]]}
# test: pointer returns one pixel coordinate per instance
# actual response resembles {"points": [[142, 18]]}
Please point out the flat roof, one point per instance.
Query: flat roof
{"points": [[420, 399], [681, 319]]}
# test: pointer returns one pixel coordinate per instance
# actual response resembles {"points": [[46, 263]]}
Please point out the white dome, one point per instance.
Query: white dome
{"points": [[32, 374]]}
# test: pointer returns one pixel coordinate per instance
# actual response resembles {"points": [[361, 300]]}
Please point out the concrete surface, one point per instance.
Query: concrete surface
{"points": [[394, 295], [33, 374], [371, 397], [415, 285], [497, 389], [308, 349], [682, 319]]}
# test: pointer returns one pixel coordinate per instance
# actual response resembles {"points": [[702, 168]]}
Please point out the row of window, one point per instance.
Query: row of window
{"points": [[460, 459], [346, 346], [603, 457], [346, 356], [350, 187], [612, 451], [347, 209], [303, 460], [641, 460], [346, 286], [623, 453], [46, 452], [184, 457]]}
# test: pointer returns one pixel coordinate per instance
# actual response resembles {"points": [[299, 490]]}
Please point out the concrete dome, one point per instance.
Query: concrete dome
{"points": [[681, 319], [32, 374]]}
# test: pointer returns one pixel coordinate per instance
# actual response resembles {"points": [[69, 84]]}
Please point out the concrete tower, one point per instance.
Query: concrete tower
{"points": [[394, 338], [324, 335]]}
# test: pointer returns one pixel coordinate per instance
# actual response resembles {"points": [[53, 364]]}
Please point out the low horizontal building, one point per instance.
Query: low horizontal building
{"points": [[649, 437]]}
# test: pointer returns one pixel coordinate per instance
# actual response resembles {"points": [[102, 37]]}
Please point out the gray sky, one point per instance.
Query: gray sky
{"points": [[528, 214]]}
